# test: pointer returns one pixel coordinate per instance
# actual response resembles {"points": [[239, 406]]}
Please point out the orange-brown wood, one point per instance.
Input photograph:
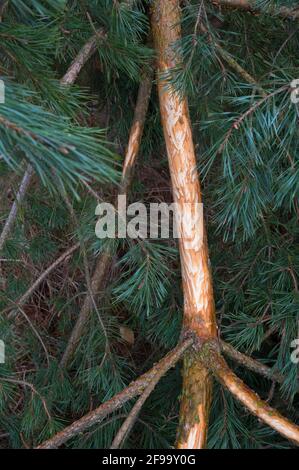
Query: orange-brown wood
{"points": [[215, 362], [199, 308]]}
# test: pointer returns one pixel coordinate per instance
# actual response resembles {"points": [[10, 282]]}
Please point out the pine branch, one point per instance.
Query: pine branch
{"points": [[236, 125], [249, 5], [199, 308], [103, 263], [215, 362], [207, 353], [83, 56], [69, 78], [136, 388]]}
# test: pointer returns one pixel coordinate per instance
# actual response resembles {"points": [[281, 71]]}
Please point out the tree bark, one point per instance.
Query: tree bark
{"points": [[199, 308]]}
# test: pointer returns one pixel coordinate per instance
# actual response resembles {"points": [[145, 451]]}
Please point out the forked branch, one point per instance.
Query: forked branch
{"points": [[208, 354]]}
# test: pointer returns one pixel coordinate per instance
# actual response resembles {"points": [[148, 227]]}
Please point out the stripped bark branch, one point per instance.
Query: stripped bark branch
{"points": [[199, 308], [215, 362], [103, 262], [135, 389]]}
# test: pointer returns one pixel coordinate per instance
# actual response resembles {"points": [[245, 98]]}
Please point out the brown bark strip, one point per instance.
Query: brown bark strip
{"points": [[136, 131], [103, 263], [199, 309], [135, 389], [249, 5], [215, 362]]}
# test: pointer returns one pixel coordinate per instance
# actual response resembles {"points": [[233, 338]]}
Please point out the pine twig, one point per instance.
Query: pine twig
{"points": [[24, 383], [136, 388], [45, 274], [103, 263], [82, 57], [233, 64]]}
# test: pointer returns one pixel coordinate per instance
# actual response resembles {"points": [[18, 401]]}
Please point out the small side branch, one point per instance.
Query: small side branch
{"points": [[135, 389], [128, 424], [199, 306], [83, 56]]}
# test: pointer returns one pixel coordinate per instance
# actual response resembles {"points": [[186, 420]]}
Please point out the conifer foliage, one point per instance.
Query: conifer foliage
{"points": [[123, 342]]}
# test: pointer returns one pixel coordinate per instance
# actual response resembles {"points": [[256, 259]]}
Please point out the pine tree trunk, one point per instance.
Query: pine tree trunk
{"points": [[199, 309]]}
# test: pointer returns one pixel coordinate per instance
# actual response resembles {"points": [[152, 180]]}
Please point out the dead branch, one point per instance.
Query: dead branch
{"points": [[14, 209], [128, 424]]}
